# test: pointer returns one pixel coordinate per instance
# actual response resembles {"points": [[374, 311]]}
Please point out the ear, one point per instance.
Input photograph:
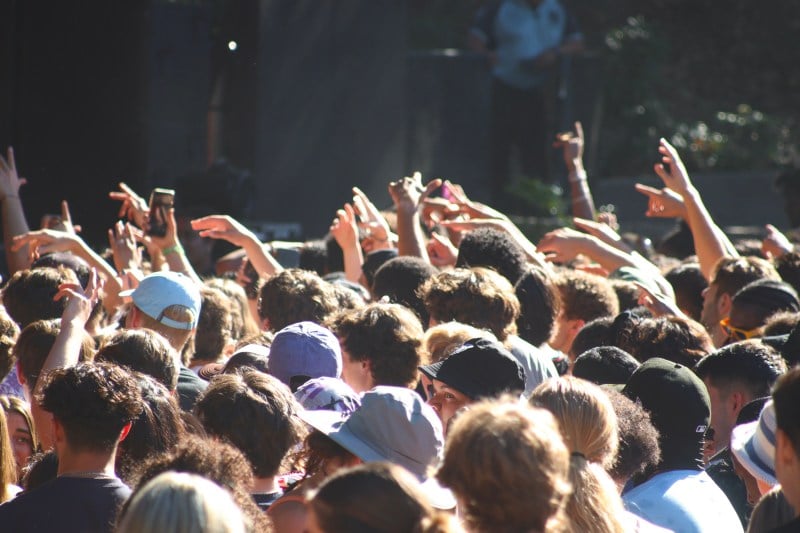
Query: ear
{"points": [[134, 320], [20, 375], [784, 454], [58, 429], [737, 401], [123, 434], [265, 324], [724, 305], [574, 326]]}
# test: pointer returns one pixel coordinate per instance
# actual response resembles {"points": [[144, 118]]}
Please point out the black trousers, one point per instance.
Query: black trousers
{"points": [[518, 120]]}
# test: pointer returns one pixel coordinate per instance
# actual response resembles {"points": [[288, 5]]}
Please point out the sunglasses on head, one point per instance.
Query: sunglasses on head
{"points": [[735, 333]]}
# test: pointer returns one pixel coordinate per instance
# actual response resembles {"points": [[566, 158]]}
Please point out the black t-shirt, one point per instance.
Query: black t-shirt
{"points": [[67, 505], [190, 387], [789, 527], [265, 499]]}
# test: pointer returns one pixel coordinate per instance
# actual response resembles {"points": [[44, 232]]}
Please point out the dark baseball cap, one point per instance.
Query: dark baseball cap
{"points": [[605, 365], [678, 403], [479, 368]]}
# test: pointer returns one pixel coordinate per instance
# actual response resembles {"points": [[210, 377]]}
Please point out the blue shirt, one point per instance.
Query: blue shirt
{"points": [[518, 33]]}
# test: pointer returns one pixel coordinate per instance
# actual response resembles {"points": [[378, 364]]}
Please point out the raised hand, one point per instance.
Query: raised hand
{"points": [[441, 251], [601, 231], [662, 203], [133, 207], [372, 223], [45, 241], [563, 245], [81, 300], [124, 248], [345, 228], [223, 227], [775, 244], [10, 182], [571, 146], [409, 193], [671, 169]]}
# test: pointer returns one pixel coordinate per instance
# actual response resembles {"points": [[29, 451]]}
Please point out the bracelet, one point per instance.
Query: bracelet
{"points": [[173, 249]]}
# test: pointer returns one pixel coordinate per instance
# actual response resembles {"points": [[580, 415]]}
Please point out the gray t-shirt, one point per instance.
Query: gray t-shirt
{"points": [[537, 365]]}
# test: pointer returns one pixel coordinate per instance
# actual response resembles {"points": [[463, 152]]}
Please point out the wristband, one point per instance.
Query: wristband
{"points": [[178, 249]]}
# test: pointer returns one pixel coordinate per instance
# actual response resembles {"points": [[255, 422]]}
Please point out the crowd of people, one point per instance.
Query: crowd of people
{"points": [[423, 368]]}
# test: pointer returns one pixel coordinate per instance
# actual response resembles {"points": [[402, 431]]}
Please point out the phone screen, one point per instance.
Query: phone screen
{"points": [[161, 200]]}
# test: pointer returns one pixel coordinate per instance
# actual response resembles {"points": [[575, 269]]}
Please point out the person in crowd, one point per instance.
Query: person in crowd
{"points": [[93, 406], [21, 431], [638, 449], [216, 461], [676, 493], [169, 304], [589, 427], [584, 297], [304, 351], [477, 369], [182, 503], [511, 455], [377, 497], [786, 401], [730, 275], [8, 465], [258, 414], [484, 299], [293, 296], [380, 345], [214, 339], [754, 304], [142, 350], [734, 376], [392, 424]]}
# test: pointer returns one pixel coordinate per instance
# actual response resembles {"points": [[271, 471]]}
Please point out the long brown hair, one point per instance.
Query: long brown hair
{"points": [[8, 467]]}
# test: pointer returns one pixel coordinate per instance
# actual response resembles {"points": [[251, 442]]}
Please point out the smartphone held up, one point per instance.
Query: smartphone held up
{"points": [[161, 201]]}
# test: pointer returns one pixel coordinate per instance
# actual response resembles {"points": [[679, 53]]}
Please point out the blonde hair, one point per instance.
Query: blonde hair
{"points": [[507, 465], [8, 467], [589, 427], [178, 338], [181, 503], [442, 339]]}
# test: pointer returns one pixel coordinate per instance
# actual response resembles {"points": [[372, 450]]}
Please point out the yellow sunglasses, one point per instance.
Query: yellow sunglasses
{"points": [[735, 333]]}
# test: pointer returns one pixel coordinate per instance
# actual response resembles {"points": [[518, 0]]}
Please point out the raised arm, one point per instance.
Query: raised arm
{"points": [[229, 229], [45, 241], [345, 230], [580, 193], [13, 214], [710, 242], [408, 195]]}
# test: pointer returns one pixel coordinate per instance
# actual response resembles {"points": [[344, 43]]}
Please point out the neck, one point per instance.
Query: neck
{"points": [[265, 485], [72, 462]]}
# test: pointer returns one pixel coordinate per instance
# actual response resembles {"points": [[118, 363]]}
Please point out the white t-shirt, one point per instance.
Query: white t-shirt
{"points": [[685, 501]]}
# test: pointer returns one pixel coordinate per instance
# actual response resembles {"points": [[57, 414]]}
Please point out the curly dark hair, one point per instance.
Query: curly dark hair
{"points": [[478, 296], [388, 336], [217, 461], [540, 304], [638, 438], [400, 279], [93, 402], [295, 295], [142, 350], [491, 248], [157, 429], [677, 339], [256, 413]]}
